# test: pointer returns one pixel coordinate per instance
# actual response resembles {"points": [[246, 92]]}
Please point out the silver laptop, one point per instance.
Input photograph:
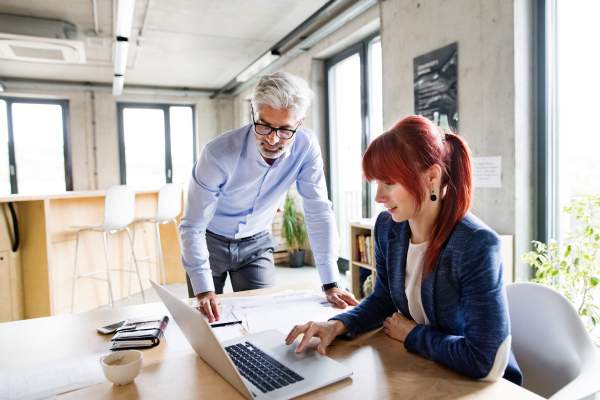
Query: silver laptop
{"points": [[260, 365]]}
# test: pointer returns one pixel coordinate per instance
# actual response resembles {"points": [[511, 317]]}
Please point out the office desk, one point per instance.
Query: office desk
{"points": [[383, 369]]}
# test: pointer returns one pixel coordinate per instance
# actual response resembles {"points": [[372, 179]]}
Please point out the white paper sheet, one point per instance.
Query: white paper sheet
{"points": [[226, 315], [48, 379], [284, 318], [487, 172], [280, 311], [224, 333], [175, 338]]}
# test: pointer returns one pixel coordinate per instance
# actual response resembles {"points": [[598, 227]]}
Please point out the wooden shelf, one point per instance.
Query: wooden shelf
{"points": [[360, 227], [363, 265]]}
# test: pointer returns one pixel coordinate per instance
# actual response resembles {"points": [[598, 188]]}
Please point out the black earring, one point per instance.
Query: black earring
{"points": [[433, 197]]}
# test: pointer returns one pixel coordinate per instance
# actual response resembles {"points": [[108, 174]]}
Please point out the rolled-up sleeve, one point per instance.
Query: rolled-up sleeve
{"points": [[322, 231], [200, 205]]}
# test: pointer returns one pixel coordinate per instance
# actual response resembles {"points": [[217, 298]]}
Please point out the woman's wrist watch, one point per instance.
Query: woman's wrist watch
{"points": [[330, 286]]}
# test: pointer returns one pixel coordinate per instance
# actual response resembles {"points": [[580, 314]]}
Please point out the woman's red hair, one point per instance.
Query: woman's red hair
{"points": [[412, 146]]}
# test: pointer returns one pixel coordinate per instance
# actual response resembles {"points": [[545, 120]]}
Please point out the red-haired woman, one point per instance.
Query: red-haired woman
{"points": [[439, 272]]}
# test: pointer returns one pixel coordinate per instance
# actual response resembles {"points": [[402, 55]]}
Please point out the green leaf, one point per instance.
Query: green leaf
{"points": [[555, 272], [594, 281]]}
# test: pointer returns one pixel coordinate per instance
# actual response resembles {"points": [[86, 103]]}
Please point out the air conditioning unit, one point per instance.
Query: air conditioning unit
{"points": [[41, 49]]}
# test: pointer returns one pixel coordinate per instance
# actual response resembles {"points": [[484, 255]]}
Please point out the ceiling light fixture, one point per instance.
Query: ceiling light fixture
{"points": [[125, 11], [125, 17], [118, 83], [121, 48], [257, 66]]}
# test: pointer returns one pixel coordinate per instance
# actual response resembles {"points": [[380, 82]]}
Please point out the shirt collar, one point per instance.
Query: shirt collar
{"points": [[251, 149]]}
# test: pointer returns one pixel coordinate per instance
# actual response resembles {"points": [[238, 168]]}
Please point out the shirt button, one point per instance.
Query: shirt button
{"points": [[257, 204]]}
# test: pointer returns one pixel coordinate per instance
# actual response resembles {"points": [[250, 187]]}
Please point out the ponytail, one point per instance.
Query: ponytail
{"points": [[413, 145], [456, 202]]}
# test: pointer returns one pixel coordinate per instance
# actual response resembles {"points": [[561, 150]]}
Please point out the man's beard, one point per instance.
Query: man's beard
{"points": [[269, 153]]}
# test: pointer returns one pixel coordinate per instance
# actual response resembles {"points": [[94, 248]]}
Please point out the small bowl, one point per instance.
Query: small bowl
{"points": [[123, 366]]}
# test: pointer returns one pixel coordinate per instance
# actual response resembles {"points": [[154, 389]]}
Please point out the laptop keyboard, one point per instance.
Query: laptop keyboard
{"points": [[263, 371]]}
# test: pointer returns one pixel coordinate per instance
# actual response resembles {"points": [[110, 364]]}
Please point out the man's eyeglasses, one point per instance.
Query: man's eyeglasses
{"points": [[265, 130]]}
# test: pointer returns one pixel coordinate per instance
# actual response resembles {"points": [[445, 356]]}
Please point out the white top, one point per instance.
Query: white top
{"points": [[415, 261]]}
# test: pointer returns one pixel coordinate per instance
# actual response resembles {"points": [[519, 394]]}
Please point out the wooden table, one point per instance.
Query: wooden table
{"points": [[383, 369]]}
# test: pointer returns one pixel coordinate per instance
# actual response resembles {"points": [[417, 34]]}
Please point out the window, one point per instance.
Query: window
{"points": [[156, 143], [569, 138], [35, 153], [354, 94]]}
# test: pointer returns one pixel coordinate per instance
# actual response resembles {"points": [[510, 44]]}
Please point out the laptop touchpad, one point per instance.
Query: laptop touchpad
{"points": [[288, 353]]}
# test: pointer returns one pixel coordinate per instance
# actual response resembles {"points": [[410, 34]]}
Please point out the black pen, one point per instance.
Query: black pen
{"points": [[225, 324]]}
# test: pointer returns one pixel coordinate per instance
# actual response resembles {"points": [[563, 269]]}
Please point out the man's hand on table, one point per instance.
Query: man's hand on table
{"points": [[340, 297], [208, 303]]}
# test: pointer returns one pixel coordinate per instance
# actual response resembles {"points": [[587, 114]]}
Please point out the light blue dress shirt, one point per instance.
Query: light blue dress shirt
{"points": [[233, 192]]}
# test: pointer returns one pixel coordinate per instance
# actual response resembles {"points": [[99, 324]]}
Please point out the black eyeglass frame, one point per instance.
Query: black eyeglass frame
{"points": [[276, 130]]}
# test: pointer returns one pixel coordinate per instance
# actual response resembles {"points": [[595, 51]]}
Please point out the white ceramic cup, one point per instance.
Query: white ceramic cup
{"points": [[121, 367]]}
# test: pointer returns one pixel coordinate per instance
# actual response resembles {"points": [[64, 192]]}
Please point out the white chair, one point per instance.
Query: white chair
{"points": [[555, 352], [169, 208], [119, 211]]}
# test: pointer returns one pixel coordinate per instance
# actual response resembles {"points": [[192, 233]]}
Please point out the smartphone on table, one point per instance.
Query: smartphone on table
{"points": [[110, 328]]}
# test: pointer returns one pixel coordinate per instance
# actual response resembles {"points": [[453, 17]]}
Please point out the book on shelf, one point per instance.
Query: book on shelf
{"points": [[368, 247], [363, 248]]}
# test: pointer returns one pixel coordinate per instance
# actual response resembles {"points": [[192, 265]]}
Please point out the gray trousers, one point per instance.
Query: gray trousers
{"points": [[249, 261]]}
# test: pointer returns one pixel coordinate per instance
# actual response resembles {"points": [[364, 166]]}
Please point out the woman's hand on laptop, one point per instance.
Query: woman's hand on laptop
{"points": [[208, 303], [326, 331]]}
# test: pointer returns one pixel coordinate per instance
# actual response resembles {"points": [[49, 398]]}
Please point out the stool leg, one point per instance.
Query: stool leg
{"points": [[160, 255], [110, 296], [131, 262], [75, 273], [136, 265], [178, 234]]}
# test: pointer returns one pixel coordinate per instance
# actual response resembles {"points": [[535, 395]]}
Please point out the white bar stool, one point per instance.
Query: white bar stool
{"points": [[119, 211], [169, 208]]}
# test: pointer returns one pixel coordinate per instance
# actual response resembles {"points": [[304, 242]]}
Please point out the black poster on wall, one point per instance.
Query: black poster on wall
{"points": [[436, 86]]}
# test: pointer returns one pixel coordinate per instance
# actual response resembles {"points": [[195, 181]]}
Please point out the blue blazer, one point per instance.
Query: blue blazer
{"points": [[463, 297]]}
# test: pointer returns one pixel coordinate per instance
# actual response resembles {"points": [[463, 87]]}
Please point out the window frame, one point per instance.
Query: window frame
{"points": [[546, 150], [66, 122], [121, 106], [362, 49]]}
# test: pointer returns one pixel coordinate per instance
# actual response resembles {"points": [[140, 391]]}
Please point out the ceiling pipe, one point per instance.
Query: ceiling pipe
{"points": [[95, 10], [319, 14], [333, 25], [102, 88], [142, 35]]}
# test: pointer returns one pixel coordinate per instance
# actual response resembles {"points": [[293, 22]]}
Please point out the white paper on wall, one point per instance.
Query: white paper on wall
{"points": [[487, 172]]}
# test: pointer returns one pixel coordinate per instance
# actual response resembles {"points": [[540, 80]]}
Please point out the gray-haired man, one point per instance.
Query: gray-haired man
{"points": [[236, 187]]}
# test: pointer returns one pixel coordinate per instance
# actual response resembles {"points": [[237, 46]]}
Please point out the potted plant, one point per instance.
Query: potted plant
{"points": [[573, 267], [293, 229]]}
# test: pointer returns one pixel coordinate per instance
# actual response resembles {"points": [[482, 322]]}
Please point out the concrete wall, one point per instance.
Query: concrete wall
{"points": [[213, 117], [495, 92]]}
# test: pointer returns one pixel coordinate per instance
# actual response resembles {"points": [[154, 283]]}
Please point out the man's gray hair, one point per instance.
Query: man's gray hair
{"points": [[282, 90]]}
